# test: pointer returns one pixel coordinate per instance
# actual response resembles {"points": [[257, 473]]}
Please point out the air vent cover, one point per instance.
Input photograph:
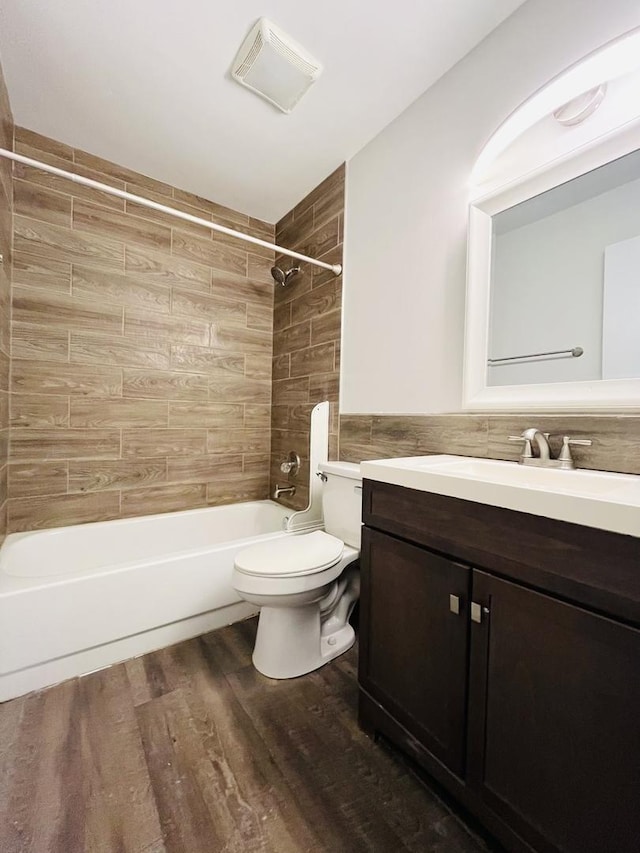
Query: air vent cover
{"points": [[273, 65]]}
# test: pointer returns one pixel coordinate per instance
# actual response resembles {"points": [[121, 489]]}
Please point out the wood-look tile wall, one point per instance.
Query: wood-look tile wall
{"points": [[6, 201], [306, 336], [616, 438], [142, 349]]}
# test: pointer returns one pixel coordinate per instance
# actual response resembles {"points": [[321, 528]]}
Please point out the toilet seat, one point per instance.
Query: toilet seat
{"points": [[291, 556]]}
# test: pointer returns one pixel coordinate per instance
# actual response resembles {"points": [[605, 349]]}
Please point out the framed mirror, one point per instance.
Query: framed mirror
{"points": [[553, 290]]}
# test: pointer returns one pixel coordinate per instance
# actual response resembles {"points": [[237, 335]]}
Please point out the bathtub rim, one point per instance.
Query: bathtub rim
{"points": [[14, 584]]}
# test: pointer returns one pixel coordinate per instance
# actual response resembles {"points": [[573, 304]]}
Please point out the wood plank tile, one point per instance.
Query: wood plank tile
{"points": [[326, 327], [95, 219], [290, 391], [33, 271], [207, 360], [150, 324], [75, 379], [224, 215], [39, 343], [259, 269], [167, 498], [95, 284], [100, 475], [318, 301], [210, 414], [43, 444], [43, 143], [37, 478], [40, 512], [257, 417], [118, 350], [227, 285], [57, 310], [154, 443], [164, 384], [242, 390], [167, 219], [258, 366], [201, 469], [239, 488], [99, 164], [237, 339], [211, 309], [165, 269], [40, 203], [36, 410], [256, 464], [292, 338], [281, 316], [615, 438], [63, 244], [120, 412], [254, 440], [38, 177], [260, 317], [206, 251], [324, 386], [312, 360]]}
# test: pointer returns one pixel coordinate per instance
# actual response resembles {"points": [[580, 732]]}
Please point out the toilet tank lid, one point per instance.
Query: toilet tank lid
{"points": [[341, 469]]}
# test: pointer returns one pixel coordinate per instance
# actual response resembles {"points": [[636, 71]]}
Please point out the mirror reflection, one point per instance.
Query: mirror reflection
{"points": [[565, 281]]}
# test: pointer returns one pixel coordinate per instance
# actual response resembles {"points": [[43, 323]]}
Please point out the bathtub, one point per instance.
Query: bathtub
{"points": [[76, 599]]}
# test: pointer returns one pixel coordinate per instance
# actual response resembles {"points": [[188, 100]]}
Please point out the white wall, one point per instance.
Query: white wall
{"points": [[406, 214], [547, 286]]}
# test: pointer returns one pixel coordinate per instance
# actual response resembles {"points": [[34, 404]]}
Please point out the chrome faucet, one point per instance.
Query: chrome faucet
{"points": [[540, 440], [281, 490]]}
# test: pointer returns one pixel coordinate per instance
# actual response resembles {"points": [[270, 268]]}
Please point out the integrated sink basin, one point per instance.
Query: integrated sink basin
{"points": [[592, 498]]}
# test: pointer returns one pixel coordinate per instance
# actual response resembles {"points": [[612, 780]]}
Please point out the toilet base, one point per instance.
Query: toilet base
{"points": [[289, 642]]}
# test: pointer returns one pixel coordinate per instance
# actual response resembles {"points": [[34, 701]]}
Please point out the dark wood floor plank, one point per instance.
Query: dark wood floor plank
{"points": [[121, 812], [45, 806], [190, 750], [302, 748], [187, 823]]}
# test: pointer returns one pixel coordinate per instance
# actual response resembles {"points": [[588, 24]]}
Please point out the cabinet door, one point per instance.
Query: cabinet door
{"points": [[554, 720], [413, 652]]}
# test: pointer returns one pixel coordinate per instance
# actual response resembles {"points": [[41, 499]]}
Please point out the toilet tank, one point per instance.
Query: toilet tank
{"points": [[342, 501]]}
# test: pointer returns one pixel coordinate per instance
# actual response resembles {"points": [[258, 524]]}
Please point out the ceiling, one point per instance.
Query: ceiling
{"points": [[146, 83]]}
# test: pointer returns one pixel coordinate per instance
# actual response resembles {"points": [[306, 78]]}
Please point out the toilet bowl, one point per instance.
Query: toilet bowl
{"points": [[307, 584]]}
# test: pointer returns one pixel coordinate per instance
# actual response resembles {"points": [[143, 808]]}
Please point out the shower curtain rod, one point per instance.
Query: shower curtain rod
{"points": [[145, 202]]}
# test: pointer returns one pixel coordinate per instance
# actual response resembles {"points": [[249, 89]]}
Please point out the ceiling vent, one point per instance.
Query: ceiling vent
{"points": [[273, 65]]}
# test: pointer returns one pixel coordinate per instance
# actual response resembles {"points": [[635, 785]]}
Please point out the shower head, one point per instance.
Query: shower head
{"points": [[283, 278]]}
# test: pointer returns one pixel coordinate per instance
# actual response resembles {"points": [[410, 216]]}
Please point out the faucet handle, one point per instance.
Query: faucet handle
{"points": [[565, 453], [527, 452], [566, 440]]}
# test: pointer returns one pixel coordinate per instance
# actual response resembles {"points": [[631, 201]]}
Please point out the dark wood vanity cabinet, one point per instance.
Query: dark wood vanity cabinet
{"points": [[415, 656], [526, 706]]}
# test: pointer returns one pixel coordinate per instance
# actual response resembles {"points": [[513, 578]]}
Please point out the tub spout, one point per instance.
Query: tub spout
{"points": [[281, 490]]}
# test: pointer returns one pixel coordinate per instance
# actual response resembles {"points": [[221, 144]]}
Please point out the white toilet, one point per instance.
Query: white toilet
{"points": [[305, 584]]}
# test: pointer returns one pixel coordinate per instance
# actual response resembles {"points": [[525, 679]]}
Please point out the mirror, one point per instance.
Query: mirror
{"points": [[565, 281], [553, 285]]}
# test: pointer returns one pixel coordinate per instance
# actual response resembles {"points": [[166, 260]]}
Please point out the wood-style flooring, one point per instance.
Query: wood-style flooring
{"points": [[190, 750]]}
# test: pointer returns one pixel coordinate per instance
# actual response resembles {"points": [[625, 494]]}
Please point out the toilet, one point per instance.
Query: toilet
{"points": [[306, 584]]}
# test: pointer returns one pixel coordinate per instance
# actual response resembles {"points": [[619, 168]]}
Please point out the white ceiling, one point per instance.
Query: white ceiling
{"points": [[146, 83]]}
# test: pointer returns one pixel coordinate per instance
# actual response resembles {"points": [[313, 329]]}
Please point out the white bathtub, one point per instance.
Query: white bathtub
{"points": [[76, 599]]}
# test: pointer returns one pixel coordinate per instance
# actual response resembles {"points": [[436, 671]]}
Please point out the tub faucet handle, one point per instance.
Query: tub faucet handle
{"points": [[291, 464]]}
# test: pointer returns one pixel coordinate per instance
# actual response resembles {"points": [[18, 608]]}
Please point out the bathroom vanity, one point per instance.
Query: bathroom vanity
{"points": [[500, 649]]}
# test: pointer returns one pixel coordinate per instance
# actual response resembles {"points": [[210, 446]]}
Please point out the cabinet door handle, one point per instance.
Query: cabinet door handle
{"points": [[478, 611], [454, 604]]}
